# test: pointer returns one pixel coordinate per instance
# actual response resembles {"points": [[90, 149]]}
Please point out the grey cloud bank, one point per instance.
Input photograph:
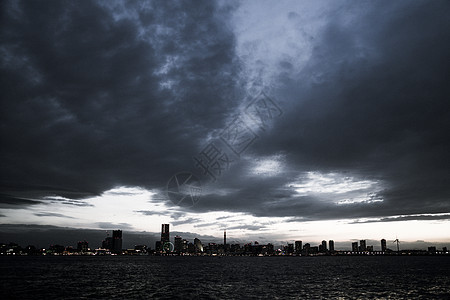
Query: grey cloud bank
{"points": [[97, 95]]}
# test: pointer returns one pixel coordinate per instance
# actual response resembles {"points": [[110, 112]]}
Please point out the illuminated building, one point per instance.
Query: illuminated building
{"points": [[165, 235], [198, 245], [56, 249], [185, 245], [142, 249]]}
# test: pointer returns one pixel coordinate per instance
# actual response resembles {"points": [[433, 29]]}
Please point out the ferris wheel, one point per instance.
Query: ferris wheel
{"points": [[168, 247]]}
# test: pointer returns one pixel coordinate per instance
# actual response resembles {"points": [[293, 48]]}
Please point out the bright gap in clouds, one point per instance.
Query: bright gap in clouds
{"points": [[267, 166], [138, 209], [342, 189]]}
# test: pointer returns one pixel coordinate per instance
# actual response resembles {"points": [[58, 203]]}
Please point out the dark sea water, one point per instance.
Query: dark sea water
{"points": [[148, 277]]}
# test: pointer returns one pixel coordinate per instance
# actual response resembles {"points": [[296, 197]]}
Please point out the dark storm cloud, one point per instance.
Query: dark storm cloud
{"points": [[94, 98], [408, 218], [371, 104], [381, 110], [75, 203], [66, 201], [109, 225], [248, 227], [10, 201], [50, 214], [186, 221], [86, 103]]}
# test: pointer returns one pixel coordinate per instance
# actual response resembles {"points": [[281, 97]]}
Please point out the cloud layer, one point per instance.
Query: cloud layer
{"points": [[97, 95]]}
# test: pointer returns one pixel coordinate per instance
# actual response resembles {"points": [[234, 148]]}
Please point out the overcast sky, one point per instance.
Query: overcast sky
{"points": [[103, 102]]}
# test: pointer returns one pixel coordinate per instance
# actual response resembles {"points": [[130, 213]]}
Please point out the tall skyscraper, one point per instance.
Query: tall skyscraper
{"points": [[298, 247], [224, 238], [158, 246], [383, 245], [107, 242], [362, 245], [117, 241], [306, 248], [331, 245], [165, 235], [355, 247], [290, 249], [324, 246], [178, 244], [198, 245]]}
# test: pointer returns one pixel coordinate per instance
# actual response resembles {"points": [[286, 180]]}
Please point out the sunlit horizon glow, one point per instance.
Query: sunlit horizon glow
{"points": [[135, 209]]}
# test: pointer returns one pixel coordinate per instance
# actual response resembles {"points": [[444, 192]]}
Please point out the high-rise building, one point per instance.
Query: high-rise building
{"points": [[383, 245], [190, 248], [117, 241], [224, 238], [331, 245], [306, 248], [198, 245], [158, 246], [107, 243], [290, 249], [165, 235], [178, 244], [298, 247], [321, 248], [324, 246], [362, 245], [313, 250], [355, 247], [185, 245]]}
